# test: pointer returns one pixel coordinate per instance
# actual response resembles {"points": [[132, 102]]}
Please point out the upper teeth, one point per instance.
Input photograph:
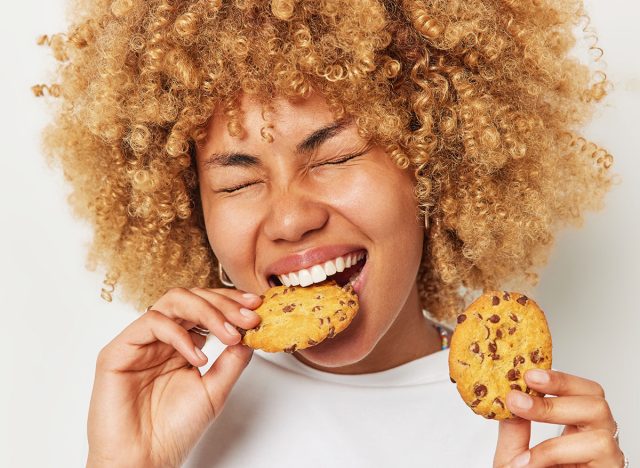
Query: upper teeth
{"points": [[318, 273]]}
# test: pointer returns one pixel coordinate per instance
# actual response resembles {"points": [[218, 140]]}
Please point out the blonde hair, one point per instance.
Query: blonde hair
{"points": [[480, 98]]}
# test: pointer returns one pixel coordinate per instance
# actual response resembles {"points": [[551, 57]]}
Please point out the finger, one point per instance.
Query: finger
{"points": [[182, 304], [597, 448], [247, 299], [224, 373], [513, 438], [559, 383], [150, 328], [588, 412], [230, 307]]}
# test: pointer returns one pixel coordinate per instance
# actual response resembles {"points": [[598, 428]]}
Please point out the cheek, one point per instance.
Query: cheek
{"points": [[379, 201], [230, 233]]}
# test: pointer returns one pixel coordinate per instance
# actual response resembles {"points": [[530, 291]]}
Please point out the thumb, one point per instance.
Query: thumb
{"points": [[224, 373], [513, 439]]}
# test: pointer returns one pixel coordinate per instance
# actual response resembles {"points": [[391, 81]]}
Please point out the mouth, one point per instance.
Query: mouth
{"points": [[343, 270]]}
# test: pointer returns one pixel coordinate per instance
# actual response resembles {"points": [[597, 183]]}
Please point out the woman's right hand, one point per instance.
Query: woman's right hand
{"points": [[150, 405]]}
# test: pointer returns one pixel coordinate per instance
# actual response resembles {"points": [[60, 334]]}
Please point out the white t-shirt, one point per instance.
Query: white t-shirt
{"points": [[283, 414]]}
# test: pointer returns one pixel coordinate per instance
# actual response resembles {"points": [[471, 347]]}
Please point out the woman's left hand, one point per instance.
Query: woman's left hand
{"points": [[587, 440]]}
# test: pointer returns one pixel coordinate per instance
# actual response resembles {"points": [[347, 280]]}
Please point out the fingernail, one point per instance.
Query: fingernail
{"points": [[538, 376], [521, 460], [521, 400], [250, 296], [231, 329], [250, 314], [199, 353]]}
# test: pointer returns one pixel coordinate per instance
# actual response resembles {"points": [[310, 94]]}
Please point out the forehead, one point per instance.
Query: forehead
{"points": [[284, 119]]}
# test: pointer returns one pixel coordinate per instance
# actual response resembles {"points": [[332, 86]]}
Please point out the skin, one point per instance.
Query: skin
{"points": [[297, 201], [150, 404]]}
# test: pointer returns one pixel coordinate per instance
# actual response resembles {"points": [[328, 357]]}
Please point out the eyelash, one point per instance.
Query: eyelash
{"points": [[342, 160]]}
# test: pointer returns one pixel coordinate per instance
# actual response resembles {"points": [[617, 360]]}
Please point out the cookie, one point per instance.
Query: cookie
{"points": [[295, 318], [498, 338]]}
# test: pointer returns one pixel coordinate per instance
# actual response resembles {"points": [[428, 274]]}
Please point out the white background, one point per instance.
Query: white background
{"points": [[53, 321]]}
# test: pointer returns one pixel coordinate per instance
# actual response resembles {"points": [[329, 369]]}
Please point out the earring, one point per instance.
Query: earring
{"points": [[224, 279]]}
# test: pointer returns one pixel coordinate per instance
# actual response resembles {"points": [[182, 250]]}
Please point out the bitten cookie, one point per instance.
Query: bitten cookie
{"points": [[498, 338], [295, 318]]}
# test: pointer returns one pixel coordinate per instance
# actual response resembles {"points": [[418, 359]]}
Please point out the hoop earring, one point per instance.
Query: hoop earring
{"points": [[224, 279]]}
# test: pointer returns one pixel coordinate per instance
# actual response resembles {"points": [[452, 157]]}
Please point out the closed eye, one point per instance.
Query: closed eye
{"points": [[342, 159], [235, 188]]}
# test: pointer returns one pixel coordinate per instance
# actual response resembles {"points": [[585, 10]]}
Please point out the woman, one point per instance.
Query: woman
{"points": [[432, 143]]}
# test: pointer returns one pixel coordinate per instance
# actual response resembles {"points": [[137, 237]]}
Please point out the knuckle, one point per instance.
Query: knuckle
{"points": [[601, 408], [604, 441], [104, 357], [547, 408], [154, 315], [598, 389], [176, 292]]}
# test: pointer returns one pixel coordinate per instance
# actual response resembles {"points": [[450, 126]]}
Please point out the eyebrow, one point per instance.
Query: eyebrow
{"points": [[306, 146]]}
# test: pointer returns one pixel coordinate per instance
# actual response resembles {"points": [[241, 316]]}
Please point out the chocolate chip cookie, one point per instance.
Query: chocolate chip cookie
{"points": [[295, 318], [498, 338]]}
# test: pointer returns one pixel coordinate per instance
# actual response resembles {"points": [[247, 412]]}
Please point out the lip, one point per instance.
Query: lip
{"points": [[310, 257]]}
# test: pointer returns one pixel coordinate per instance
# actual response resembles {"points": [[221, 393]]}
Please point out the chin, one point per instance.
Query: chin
{"points": [[349, 347]]}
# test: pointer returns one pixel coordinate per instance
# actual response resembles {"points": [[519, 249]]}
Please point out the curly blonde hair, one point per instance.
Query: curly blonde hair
{"points": [[480, 98]]}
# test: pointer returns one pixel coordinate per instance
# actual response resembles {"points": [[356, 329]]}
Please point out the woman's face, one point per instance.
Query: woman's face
{"points": [[317, 192]]}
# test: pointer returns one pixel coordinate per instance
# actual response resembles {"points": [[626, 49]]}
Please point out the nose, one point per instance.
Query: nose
{"points": [[293, 215]]}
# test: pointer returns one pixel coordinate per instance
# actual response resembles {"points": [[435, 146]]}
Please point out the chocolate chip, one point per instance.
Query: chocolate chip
{"points": [[516, 387], [495, 300], [321, 320], [351, 303], [274, 295], [288, 308], [462, 318], [512, 330], [261, 296], [452, 381], [518, 360], [332, 332], [513, 317], [316, 308], [513, 374], [527, 390], [243, 332], [491, 415], [474, 403], [341, 302], [498, 333], [522, 300], [493, 347], [535, 356], [318, 297], [479, 315], [463, 363], [498, 401], [494, 318], [475, 347], [495, 356], [290, 349], [488, 333], [480, 390], [312, 342], [506, 296]]}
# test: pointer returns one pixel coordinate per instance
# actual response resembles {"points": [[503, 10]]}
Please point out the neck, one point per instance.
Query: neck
{"points": [[411, 336]]}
